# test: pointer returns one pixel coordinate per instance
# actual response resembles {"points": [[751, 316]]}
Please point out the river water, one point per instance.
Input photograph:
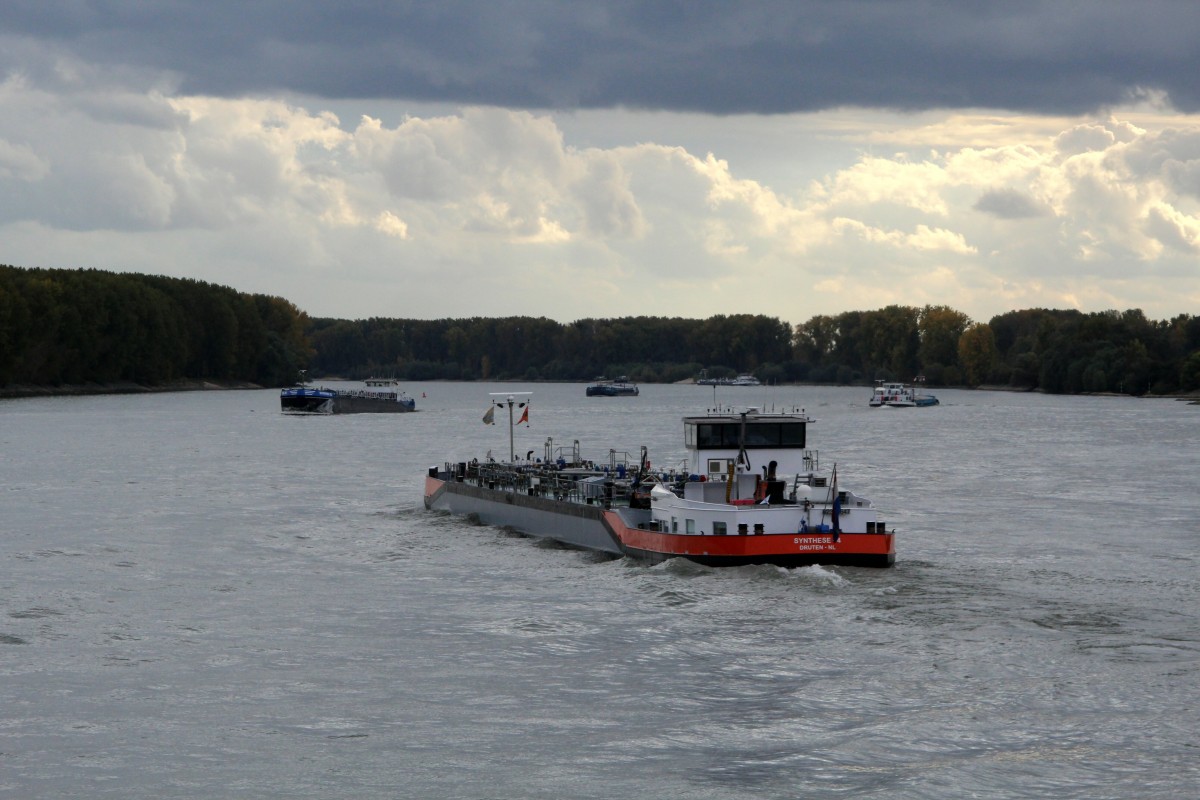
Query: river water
{"points": [[201, 597]]}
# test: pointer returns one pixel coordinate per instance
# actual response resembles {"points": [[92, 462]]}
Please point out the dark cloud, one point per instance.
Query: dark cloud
{"points": [[688, 55], [1010, 204]]}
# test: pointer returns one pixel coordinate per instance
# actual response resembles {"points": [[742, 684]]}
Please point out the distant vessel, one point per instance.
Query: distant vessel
{"points": [[381, 382], [899, 395], [614, 388], [321, 400], [745, 379], [750, 492]]}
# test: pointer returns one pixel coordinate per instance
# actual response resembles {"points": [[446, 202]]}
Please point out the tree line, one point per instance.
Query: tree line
{"points": [[1061, 351], [646, 349], [75, 327], [67, 327]]}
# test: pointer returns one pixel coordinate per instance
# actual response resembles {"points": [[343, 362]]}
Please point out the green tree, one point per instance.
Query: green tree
{"points": [[814, 341], [940, 329], [1189, 373], [977, 353], [889, 340]]}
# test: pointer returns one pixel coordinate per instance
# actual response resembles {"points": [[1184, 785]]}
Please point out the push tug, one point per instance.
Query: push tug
{"points": [[749, 492]]}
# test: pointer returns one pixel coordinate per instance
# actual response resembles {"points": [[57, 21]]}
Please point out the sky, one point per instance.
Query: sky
{"points": [[577, 160]]}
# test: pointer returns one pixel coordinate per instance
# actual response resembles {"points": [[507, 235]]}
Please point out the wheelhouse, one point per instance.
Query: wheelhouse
{"points": [[722, 440]]}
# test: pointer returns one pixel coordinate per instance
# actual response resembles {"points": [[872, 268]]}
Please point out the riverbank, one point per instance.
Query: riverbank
{"points": [[120, 387], [126, 387]]}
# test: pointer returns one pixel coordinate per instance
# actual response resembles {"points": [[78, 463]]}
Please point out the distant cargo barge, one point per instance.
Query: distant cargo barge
{"points": [[310, 400]]}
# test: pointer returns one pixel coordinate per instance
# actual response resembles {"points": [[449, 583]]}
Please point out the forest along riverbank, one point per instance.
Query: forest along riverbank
{"points": [[121, 387]]}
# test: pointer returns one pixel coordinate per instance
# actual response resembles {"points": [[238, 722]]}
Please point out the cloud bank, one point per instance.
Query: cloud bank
{"points": [[496, 211]]}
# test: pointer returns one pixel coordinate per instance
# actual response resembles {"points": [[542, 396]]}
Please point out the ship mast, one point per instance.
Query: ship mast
{"points": [[510, 402]]}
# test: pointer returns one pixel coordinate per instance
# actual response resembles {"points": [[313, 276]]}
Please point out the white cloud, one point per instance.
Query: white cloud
{"points": [[1089, 138], [20, 162], [896, 181], [388, 223], [932, 239], [1173, 229]]}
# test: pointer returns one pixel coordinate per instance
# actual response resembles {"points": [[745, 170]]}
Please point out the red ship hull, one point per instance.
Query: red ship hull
{"points": [[781, 549]]}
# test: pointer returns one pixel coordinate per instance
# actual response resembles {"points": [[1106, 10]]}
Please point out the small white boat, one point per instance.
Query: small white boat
{"points": [[899, 395]]}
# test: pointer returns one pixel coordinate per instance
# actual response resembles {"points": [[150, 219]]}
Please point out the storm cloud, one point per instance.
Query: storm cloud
{"points": [[709, 56]]}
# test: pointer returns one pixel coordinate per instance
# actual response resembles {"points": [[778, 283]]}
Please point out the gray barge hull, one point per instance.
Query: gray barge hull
{"points": [[576, 525], [350, 404]]}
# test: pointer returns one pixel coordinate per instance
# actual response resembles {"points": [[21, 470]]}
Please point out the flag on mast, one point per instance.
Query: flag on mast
{"points": [[524, 416], [489, 418]]}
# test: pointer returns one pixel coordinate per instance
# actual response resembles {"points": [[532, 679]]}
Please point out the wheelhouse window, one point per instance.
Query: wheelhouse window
{"points": [[791, 434], [720, 435]]}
